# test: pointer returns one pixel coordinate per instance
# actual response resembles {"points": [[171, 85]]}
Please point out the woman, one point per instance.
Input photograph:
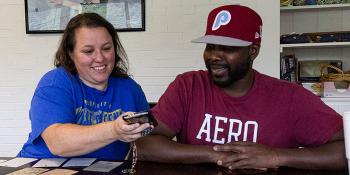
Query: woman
{"points": [[76, 108]]}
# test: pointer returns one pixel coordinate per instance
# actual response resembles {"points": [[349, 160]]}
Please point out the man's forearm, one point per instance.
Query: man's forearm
{"points": [[157, 148], [328, 156]]}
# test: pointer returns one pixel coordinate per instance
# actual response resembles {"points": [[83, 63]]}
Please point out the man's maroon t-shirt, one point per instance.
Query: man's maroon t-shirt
{"points": [[273, 112]]}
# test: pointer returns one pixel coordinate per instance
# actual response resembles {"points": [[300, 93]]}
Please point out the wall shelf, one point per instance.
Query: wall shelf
{"points": [[336, 99], [313, 7], [318, 18], [308, 45]]}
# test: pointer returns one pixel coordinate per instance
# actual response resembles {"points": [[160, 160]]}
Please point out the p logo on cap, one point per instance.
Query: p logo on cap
{"points": [[222, 18]]}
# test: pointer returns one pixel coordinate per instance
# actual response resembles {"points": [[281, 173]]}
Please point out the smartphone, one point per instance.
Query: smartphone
{"points": [[142, 117]]}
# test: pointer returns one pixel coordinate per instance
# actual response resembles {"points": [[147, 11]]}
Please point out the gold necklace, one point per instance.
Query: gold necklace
{"points": [[132, 170]]}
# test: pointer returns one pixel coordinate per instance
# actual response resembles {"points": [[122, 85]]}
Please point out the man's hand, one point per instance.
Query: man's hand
{"points": [[248, 155]]}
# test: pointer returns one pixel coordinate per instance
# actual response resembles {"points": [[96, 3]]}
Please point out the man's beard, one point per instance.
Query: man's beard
{"points": [[237, 73]]}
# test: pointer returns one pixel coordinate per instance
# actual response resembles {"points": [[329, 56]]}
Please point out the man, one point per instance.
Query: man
{"points": [[238, 118]]}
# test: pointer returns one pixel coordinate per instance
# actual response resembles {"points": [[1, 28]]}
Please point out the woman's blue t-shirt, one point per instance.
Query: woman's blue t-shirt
{"points": [[61, 97]]}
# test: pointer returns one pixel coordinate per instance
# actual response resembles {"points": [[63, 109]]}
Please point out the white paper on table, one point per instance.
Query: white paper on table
{"points": [[75, 162], [50, 162], [17, 162], [103, 166], [2, 161]]}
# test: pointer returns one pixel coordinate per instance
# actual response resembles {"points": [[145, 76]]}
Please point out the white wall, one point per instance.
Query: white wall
{"points": [[156, 55]]}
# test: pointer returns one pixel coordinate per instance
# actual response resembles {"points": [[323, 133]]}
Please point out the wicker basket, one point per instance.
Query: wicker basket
{"points": [[335, 77]]}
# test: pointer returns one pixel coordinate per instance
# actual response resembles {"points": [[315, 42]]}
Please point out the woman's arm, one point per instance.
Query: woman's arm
{"points": [[73, 140]]}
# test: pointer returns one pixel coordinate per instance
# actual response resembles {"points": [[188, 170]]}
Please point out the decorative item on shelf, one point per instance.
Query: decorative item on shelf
{"points": [[345, 37], [336, 75], [286, 3], [311, 2], [294, 38], [322, 37], [299, 2], [289, 68], [317, 37], [322, 2], [314, 87], [309, 70], [302, 2], [335, 84]]}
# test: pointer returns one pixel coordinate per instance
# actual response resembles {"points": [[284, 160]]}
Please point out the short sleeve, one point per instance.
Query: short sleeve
{"points": [[316, 122], [50, 105], [170, 108]]}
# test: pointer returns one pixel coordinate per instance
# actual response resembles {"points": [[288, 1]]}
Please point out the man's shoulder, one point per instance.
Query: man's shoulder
{"points": [[278, 84], [194, 75]]}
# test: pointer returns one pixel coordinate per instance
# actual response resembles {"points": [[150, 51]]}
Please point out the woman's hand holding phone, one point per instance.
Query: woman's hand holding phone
{"points": [[141, 118]]}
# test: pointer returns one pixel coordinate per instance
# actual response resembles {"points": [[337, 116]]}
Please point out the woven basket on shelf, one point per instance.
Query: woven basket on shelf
{"points": [[340, 76]]}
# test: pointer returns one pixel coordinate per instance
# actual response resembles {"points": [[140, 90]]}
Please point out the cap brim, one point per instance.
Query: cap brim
{"points": [[221, 40]]}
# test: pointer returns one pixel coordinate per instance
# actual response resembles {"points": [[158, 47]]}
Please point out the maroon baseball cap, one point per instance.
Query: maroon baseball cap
{"points": [[232, 25]]}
